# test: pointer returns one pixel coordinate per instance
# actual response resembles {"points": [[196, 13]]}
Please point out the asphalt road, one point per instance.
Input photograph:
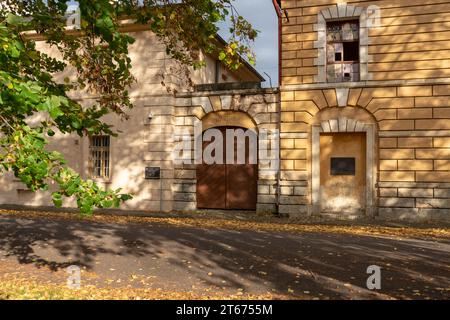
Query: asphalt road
{"points": [[308, 265]]}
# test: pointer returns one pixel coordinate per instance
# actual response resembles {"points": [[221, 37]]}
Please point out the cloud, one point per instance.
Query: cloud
{"points": [[261, 14]]}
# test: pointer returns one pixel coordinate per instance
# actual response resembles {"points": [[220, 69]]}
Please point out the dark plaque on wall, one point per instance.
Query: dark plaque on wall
{"points": [[343, 166], [152, 173]]}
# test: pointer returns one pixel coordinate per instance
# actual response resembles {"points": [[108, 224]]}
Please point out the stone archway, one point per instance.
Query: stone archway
{"points": [[228, 118], [341, 125], [256, 110], [231, 183]]}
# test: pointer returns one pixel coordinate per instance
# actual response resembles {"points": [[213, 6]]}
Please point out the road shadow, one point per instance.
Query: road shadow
{"points": [[322, 265]]}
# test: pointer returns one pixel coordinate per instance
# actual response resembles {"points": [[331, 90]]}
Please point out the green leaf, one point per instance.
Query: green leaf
{"points": [[76, 124], [107, 203], [14, 52], [14, 20], [57, 199], [53, 106]]}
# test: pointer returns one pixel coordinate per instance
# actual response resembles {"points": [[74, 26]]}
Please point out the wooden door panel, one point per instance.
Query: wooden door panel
{"points": [[241, 187], [227, 186], [211, 186]]}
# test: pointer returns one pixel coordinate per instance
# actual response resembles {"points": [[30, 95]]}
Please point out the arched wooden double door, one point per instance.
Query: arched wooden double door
{"points": [[229, 186]]}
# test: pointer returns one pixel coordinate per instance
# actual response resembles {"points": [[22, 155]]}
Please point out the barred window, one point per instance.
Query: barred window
{"points": [[100, 156]]}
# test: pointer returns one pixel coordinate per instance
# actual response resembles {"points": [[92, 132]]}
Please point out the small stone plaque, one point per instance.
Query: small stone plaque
{"points": [[152, 173], [343, 166]]}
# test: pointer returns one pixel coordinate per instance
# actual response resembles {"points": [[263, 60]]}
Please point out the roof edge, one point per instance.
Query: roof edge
{"points": [[244, 62]]}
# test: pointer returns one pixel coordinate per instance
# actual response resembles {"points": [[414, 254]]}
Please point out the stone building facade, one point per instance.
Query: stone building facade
{"points": [[390, 126], [360, 126], [250, 109], [141, 160]]}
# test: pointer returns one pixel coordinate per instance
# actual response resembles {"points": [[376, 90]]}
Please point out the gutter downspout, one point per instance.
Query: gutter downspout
{"points": [[279, 15]]}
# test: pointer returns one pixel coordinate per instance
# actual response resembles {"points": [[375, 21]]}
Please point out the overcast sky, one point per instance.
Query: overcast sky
{"points": [[263, 17]]}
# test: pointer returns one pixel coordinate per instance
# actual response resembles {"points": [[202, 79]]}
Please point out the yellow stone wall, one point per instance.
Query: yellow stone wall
{"points": [[406, 96], [413, 146], [412, 42]]}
